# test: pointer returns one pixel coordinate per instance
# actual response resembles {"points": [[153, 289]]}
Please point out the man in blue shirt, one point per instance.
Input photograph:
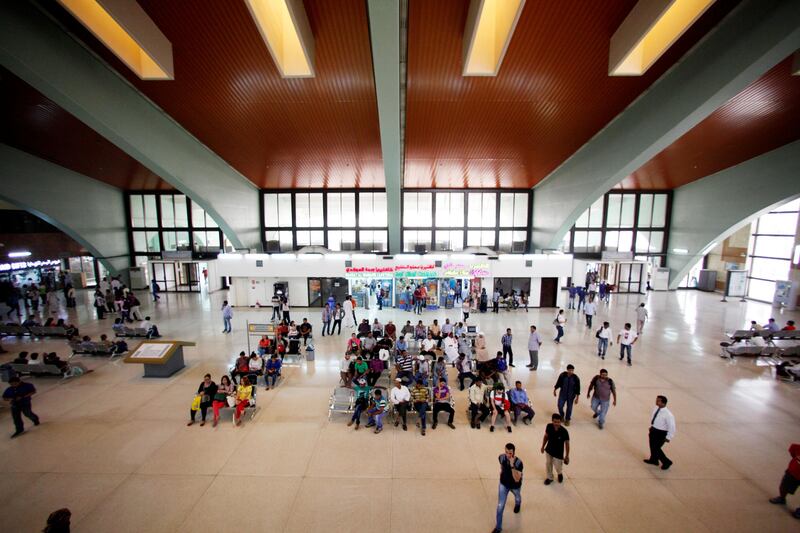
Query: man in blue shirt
{"points": [[568, 390], [273, 370], [18, 394], [572, 292], [581, 297], [519, 403]]}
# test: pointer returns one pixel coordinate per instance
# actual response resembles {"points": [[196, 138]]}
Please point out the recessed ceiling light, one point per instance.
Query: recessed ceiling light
{"points": [[284, 27], [648, 31], [126, 30], [490, 25]]}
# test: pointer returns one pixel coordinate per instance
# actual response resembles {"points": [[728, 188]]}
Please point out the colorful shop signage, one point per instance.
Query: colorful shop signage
{"points": [[29, 264], [415, 271], [460, 270], [368, 272]]}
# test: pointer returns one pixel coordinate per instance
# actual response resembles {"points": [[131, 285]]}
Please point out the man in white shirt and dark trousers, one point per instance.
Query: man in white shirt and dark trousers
{"points": [[400, 397], [589, 309], [626, 339], [662, 430], [603, 339]]}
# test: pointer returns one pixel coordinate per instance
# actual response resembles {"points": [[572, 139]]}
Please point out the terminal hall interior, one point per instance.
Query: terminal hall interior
{"points": [[400, 265]]}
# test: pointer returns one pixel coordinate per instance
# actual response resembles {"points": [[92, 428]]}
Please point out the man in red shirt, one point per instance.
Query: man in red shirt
{"points": [[791, 479]]}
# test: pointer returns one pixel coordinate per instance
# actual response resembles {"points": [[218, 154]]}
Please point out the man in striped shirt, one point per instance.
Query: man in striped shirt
{"points": [[420, 397]]}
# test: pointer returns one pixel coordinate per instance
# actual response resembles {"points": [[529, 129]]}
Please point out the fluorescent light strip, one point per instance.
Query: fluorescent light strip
{"points": [[19, 254], [284, 26], [126, 30], [490, 25], [648, 31]]}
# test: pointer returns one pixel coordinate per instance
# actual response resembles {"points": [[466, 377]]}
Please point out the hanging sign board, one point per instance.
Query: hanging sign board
{"points": [[415, 271], [459, 270], [368, 272]]}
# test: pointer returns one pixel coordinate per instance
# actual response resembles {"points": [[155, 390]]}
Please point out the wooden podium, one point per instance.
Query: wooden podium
{"points": [[160, 358]]}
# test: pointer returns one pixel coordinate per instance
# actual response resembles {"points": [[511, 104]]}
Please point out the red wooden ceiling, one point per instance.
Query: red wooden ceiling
{"points": [[36, 125], [279, 133], [761, 118], [552, 94]]}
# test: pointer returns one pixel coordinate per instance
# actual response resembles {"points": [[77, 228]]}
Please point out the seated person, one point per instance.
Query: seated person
{"points": [[150, 328], [408, 329], [789, 326], [294, 344], [360, 368], [368, 344], [436, 332], [293, 333], [35, 360], [345, 375], [478, 404], [241, 367], [385, 343], [519, 403], [118, 327], [377, 329], [71, 329], [502, 367], [423, 370], [273, 370], [405, 367], [353, 343], [441, 402], [244, 392], [500, 406], [53, 359], [283, 329], [86, 344], [465, 369], [28, 323], [459, 330], [450, 348], [447, 328], [264, 346], [440, 370], [375, 370], [255, 368], [363, 328], [428, 345], [401, 345], [48, 323], [21, 359], [304, 329], [420, 331], [280, 350], [390, 331], [465, 346], [120, 346]]}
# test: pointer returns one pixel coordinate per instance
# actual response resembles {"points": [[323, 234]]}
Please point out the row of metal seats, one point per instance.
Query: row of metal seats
{"points": [[34, 331]]}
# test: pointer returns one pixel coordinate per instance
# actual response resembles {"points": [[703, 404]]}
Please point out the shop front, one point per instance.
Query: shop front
{"points": [[406, 280], [320, 289], [460, 280], [20, 273], [364, 283]]}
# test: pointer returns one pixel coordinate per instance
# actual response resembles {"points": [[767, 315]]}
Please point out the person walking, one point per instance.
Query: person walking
{"points": [[534, 344], [791, 479], [641, 317], [19, 394], [510, 481], [559, 322], [572, 291], [505, 341], [662, 430], [589, 309], [603, 336], [227, 316], [155, 289], [338, 315], [326, 319], [496, 301], [626, 339], [604, 389], [276, 307], [568, 390], [555, 446], [285, 309]]}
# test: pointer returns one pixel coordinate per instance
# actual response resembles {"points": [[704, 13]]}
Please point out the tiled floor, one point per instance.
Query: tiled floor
{"points": [[114, 447]]}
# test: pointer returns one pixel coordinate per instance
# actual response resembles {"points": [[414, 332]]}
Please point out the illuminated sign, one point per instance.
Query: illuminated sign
{"points": [[5, 267], [367, 272], [415, 271], [459, 270]]}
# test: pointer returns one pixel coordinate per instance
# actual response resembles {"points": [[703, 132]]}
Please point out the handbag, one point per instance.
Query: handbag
{"points": [[196, 403], [231, 401]]}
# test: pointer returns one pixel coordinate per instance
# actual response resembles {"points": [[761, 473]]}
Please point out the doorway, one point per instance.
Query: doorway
{"points": [[549, 292], [320, 289]]}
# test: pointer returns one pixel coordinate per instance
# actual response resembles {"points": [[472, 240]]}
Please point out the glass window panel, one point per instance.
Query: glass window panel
{"points": [[794, 205], [656, 242], [593, 241], [778, 223], [761, 290], [474, 210], [199, 240], [642, 241], [373, 240], [167, 211], [303, 238], [450, 240], [170, 241], [341, 240], [625, 241], [316, 214], [505, 239], [449, 209], [409, 208], [488, 212], [302, 215], [580, 241], [348, 217], [612, 216], [284, 210], [334, 239], [659, 211], [270, 210], [596, 214], [627, 210], [181, 212], [612, 241], [564, 246], [372, 209], [137, 211], [583, 220], [139, 241], [334, 210], [412, 238], [772, 269], [150, 211], [645, 211], [781, 247], [520, 210], [183, 240], [506, 210], [418, 209]]}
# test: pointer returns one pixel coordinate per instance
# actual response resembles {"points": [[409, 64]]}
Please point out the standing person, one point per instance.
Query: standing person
{"points": [[19, 394], [572, 292], [338, 315], [662, 430], [641, 317], [581, 297], [349, 313], [604, 389], [589, 310], [285, 309], [523, 296], [505, 340], [555, 446], [379, 298], [559, 322], [276, 307], [100, 304], [510, 481], [496, 301], [791, 479], [534, 343], [603, 336], [568, 390], [154, 290], [400, 397], [326, 319], [465, 305], [483, 301], [227, 315], [626, 339]]}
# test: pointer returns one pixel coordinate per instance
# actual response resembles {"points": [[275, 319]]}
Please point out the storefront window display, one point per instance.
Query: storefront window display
{"points": [[459, 281], [23, 272], [408, 277], [365, 281]]}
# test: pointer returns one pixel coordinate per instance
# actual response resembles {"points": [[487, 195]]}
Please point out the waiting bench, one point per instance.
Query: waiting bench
{"points": [[93, 348], [32, 370], [133, 332]]}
